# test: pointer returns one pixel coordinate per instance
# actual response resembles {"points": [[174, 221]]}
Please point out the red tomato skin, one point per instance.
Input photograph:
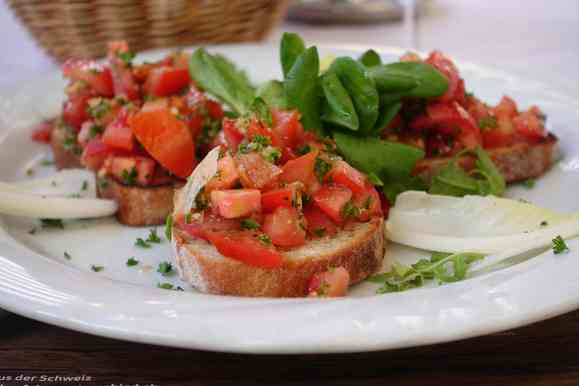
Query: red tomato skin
{"points": [[507, 107], [288, 127], [95, 153], [331, 200], [118, 134], [331, 283], [255, 172], [99, 78], [245, 247], [236, 203], [124, 83], [529, 126], [144, 167], [214, 110], [300, 169], [233, 136], [74, 111], [344, 174], [319, 224], [165, 81], [283, 227], [167, 139], [369, 195], [227, 177], [449, 70], [42, 133], [278, 197]]}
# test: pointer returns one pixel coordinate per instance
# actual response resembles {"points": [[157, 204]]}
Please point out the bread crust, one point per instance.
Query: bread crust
{"points": [[361, 253], [516, 163], [63, 158], [138, 206]]}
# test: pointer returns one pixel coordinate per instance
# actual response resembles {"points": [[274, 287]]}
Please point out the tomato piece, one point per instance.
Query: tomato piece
{"points": [[167, 139], [288, 127], [124, 83], [232, 134], [236, 203], [247, 248], [118, 134], [332, 283], [506, 108], [164, 81], [273, 199], [99, 78], [530, 126], [258, 128], [331, 199], [368, 202], [256, 172], [469, 135], [300, 169], [214, 110], [42, 133], [449, 70], [85, 134], [344, 174], [74, 111], [501, 136], [210, 223], [284, 228], [95, 153], [319, 224], [143, 169], [227, 175]]}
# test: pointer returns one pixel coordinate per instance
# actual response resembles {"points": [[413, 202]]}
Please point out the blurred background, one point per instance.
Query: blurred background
{"points": [[536, 39]]}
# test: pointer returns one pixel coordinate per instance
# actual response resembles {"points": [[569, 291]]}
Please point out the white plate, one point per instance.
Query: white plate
{"points": [[121, 302]]}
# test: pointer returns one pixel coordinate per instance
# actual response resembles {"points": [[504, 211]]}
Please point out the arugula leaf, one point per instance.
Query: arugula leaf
{"points": [[357, 81], [338, 107], [559, 245], [302, 89], [370, 58], [487, 167], [261, 111], [273, 94], [292, 46], [219, 77]]}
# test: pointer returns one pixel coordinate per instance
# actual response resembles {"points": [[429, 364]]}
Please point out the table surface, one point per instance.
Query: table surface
{"points": [[536, 39]]}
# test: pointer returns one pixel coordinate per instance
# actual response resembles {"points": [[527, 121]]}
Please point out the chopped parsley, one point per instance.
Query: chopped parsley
{"points": [[250, 224], [304, 149], [264, 239], [71, 145], [167, 286], [47, 162], [127, 57], [67, 256], [165, 268], [96, 130], [529, 184], [320, 232], [99, 109], [129, 176], [131, 262], [142, 243], [271, 154], [97, 268], [168, 226], [488, 122], [52, 223], [258, 143], [350, 211], [201, 201], [559, 245], [153, 237], [84, 186], [321, 168]]}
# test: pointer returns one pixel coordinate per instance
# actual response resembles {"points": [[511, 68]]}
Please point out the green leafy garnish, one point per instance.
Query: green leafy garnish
{"points": [[47, 162], [67, 256], [370, 58], [559, 245], [153, 237], [261, 111], [248, 223], [129, 177], [291, 47], [51, 223], [321, 168], [127, 57], [529, 184], [131, 262], [338, 106], [97, 268], [165, 268], [264, 239], [412, 79], [488, 122], [169, 226], [167, 286], [273, 93], [444, 267], [350, 211], [142, 243], [99, 109]]}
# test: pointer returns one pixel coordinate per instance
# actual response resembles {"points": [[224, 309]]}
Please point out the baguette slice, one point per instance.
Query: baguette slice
{"points": [[138, 206], [516, 163], [63, 158], [360, 250]]}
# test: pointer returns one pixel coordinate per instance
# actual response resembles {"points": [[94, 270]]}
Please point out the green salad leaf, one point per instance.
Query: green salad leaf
{"points": [[339, 108], [273, 93], [430, 82], [370, 58], [291, 47]]}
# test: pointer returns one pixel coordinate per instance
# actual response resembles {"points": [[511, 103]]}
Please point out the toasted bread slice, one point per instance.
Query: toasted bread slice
{"points": [[359, 249], [138, 206], [64, 158], [516, 163]]}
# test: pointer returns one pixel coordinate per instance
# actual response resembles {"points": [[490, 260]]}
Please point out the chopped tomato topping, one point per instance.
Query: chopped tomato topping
{"points": [[501, 136], [233, 136], [95, 153], [449, 70], [506, 108], [319, 224], [227, 175], [331, 199], [99, 78], [118, 134], [246, 247], [286, 197], [42, 132], [343, 174], [214, 110], [256, 172], [124, 83], [529, 125], [165, 81], [284, 228], [288, 127], [167, 139], [368, 203], [132, 170], [300, 169], [236, 203], [74, 111], [332, 283]]}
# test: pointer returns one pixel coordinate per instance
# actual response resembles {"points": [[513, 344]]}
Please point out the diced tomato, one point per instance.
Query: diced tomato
{"points": [[157, 104], [300, 169], [232, 134], [288, 127], [319, 224], [236, 203], [368, 202], [74, 111], [530, 126], [247, 248], [344, 174], [195, 98], [332, 283], [258, 128], [195, 123], [501, 136], [86, 133], [124, 83], [256, 172], [448, 69], [210, 223], [142, 167], [477, 109], [284, 228], [214, 110], [469, 135], [506, 108], [227, 175], [165, 81], [331, 199], [42, 133], [99, 78], [410, 57], [285, 197], [95, 153], [167, 139], [118, 134]]}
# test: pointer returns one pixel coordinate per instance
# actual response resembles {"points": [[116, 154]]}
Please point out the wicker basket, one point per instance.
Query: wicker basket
{"points": [[81, 28]]}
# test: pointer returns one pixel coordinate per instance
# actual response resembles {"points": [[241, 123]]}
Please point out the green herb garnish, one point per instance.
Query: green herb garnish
{"points": [[97, 268], [127, 57], [165, 268], [142, 243], [169, 226], [251, 224], [264, 239], [153, 236], [131, 262], [98, 110], [67, 256], [167, 286], [52, 223], [559, 245], [488, 122], [321, 168], [349, 211], [129, 176]]}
